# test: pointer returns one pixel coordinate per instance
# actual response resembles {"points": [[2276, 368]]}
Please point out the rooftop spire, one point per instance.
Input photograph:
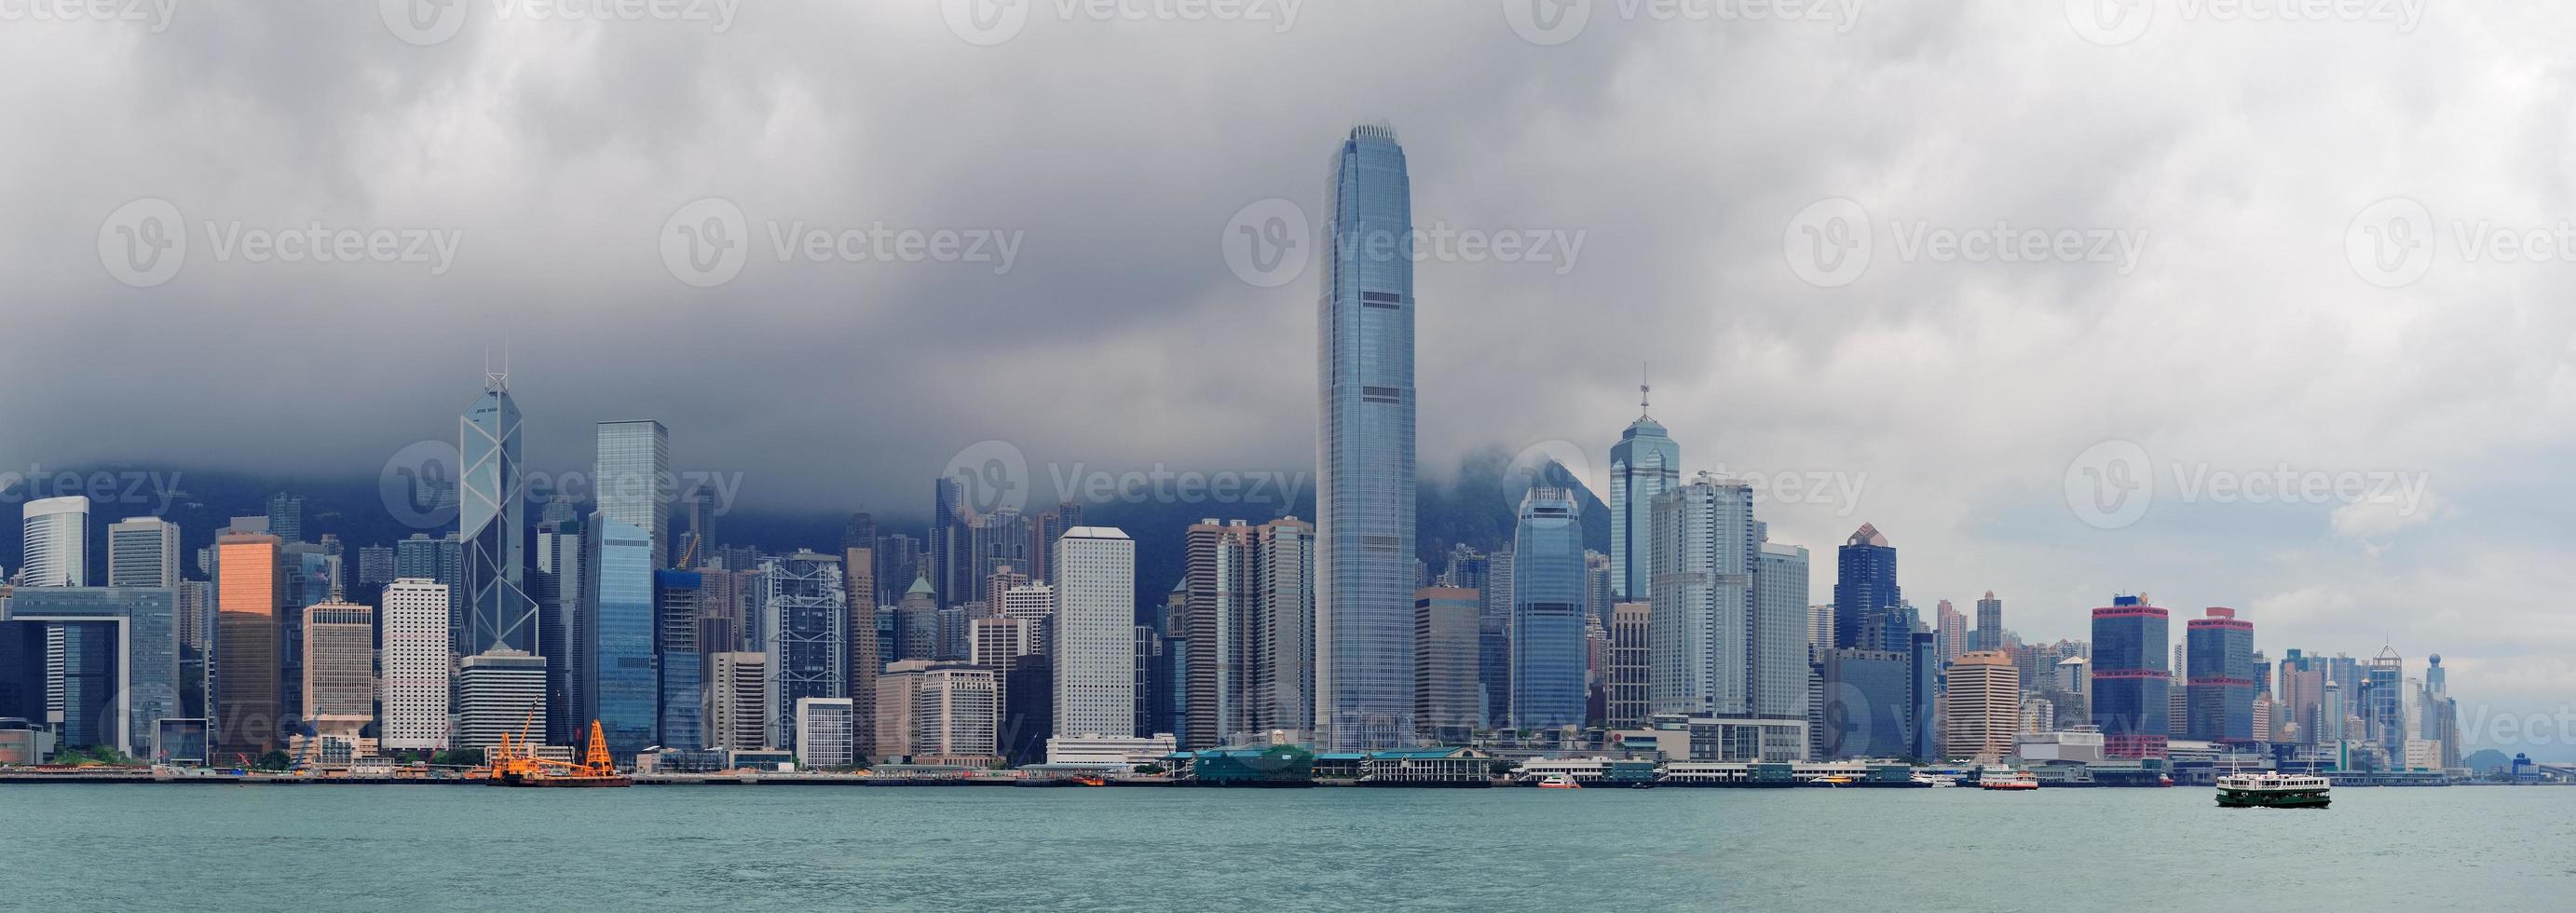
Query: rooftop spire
{"points": [[1644, 387]]}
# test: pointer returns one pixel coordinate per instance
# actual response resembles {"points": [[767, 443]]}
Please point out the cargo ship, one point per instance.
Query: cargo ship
{"points": [[2272, 790]]}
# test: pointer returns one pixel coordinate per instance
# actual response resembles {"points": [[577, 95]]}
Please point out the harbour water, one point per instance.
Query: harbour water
{"points": [[216, 849]]}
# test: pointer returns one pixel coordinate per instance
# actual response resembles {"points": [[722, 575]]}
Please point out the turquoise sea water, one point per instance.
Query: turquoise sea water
{"points": [[221, 849]]}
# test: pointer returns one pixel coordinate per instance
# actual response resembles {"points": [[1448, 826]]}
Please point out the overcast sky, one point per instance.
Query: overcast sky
{"points": [[2262, 246]]}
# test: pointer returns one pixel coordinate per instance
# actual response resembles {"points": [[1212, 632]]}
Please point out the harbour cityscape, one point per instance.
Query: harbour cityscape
{"points": [[1493, 455]]}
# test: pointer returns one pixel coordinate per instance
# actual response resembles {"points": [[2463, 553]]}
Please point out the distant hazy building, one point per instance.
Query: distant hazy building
{"points": [[1644, 464], [1990, 624], [143, 551], [417, 666], [1093, 650], [54, 542], [1950, 631], [1448, 700], [375, 568], [286, 517], [824, 732], [1982, 708], [339, 668], [1547, 612], [1867, 601], [500, 691]]}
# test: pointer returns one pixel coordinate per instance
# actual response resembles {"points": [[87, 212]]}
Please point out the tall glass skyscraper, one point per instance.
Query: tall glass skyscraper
{"points": [[492, 513], [1547, 612], [2219, 678], [2130, 682], [1865, 593], [1364, 451], [1644, 463], [1706, 545], [617, 605], [631, 479]]}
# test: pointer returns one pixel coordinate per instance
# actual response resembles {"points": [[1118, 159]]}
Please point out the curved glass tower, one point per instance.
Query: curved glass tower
{"points": [[1364, 451]]}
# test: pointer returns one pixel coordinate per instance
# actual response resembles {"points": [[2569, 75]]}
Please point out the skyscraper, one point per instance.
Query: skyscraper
{"points": [[143, 551], [950, 567], [1952, 628], [617, 624], [1630, 686], [1990, 624], [1778, 645], [286, 517], [492, 515], [859, 582], [1448, 702], [1094, 647], [1364, 493], [679, 658], [497, 692], [1644, 463], [1866, 594], [804, 630], [1283, 678], [2383, 703], [1547, 612], [631, 479], [2129, 678], [1216, 616], [1981, 711], [2219, 683], [110, 662], [1705, 542], [416, 666], [738, 700], [339, 668], [562, 573], [54, 542], [250, 592]]}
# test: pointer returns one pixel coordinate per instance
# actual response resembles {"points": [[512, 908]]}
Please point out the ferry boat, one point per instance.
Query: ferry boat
{"points": [[2272, 790], [2012, 780], [1559, 781], [1934, 780]]}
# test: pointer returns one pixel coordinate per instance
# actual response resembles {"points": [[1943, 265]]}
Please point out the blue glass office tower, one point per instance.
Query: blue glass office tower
{"points": [[1644, 463], [2130, 682], [2219, 677], [617, 602], [111, 659], [1865, 594], [492, 510], [1364, 450], [1547, 612], [681, 661]]}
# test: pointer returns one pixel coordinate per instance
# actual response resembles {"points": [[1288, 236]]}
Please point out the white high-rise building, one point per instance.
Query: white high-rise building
{"points": [[143, 551], [1703, 555], [416, 664], [1033, 603], [738, 700], [824, 726], [56, 542], [500, 691], [1094, 646]]}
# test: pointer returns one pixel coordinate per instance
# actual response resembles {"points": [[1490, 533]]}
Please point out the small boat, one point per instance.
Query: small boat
{"points": [[1933, 780], [2013, 780], [2272, 790], [1558, 781], [1832, 780]]}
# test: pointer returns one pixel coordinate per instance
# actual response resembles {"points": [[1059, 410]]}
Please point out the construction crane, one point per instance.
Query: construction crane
{"points": [[517, 763], [688, 551]]}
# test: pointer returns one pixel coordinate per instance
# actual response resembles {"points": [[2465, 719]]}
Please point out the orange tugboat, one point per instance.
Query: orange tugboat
{"points": [[517, 764]]}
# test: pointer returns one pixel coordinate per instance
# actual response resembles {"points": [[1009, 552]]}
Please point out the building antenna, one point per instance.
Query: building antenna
{"points": [[1644, 389]]}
